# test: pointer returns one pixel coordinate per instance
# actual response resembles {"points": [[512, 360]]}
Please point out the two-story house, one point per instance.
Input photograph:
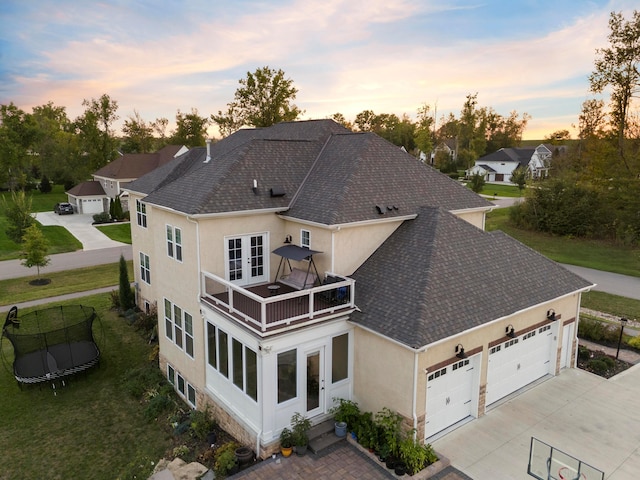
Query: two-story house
{"points": [[498, 166], [300, 263]]}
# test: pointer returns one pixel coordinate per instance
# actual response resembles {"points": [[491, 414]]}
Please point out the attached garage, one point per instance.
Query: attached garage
{"points": [[90, 205], [519, 361], [452, 394]]}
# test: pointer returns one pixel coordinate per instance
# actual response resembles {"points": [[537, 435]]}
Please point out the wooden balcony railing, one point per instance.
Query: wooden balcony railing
{"points": [[272, 307]]}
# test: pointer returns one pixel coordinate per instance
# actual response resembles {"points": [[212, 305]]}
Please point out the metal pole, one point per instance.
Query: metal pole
{"points": [[622, 322]]}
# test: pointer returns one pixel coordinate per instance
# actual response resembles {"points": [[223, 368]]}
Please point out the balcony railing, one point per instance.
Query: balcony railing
{"points": [[272, 307]]}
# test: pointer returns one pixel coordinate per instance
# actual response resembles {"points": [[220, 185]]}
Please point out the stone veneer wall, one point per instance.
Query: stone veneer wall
{"points": [[482, 399]]}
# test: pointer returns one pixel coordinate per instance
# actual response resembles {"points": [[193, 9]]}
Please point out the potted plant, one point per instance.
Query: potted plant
{"points": [[346, 414], [300, 428], [286, 442]]}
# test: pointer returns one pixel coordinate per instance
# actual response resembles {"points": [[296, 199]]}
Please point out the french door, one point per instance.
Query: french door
{"points": [[314, 382], [246, 259]]}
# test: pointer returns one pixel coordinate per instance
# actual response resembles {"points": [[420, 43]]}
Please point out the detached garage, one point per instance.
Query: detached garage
{"points": [[520, 361], [89, 198]]}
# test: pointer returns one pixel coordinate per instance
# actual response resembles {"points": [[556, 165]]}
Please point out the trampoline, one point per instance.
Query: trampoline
{"points": [[51, 344]]}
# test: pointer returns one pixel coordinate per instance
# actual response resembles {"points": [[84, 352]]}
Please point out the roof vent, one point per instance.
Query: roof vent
{"points": [[380, 209], [208, 159], [277, 191]]}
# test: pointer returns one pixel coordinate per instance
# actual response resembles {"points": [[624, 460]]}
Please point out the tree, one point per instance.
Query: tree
{"points": [[125, 293], [17, 132], [423, 132], [472, 131], [191, 129], [264, 98], [338, 117], [18, 213], [476, 182], [519, 178], [51, 143], [35, 246], [97, 138], [138, 135], [558, 137], [45, 184], [617, 68], [504, 132]]}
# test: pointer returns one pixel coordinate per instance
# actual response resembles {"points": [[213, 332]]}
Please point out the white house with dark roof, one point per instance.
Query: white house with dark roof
{"points": [[303, 262], [498, 166]]}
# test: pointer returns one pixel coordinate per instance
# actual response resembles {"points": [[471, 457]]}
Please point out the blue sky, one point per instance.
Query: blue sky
{"points": [[389, 56]]}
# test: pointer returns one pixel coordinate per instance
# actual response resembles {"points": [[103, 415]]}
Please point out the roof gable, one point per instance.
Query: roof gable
{"points": [[134, 165]]}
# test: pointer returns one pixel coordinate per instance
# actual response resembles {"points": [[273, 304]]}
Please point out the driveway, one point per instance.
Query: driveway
{"points": [[80, 226], [584, 415]]}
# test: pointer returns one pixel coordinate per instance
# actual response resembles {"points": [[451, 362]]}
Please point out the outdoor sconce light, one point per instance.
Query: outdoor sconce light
{"points": [[510, 331], [287, 239], [460, 351], [255, 186], [551, 315]]}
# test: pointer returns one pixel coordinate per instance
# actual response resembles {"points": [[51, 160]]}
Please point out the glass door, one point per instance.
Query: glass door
{"points": [[246, 259], [315, 383]]}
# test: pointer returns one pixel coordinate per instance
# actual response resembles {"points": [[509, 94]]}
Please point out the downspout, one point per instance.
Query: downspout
{"points": [[189, 219], [414, 400]]}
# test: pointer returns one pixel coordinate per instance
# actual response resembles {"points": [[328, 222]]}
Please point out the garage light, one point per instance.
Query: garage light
{"points": [[460, 351], [551, 315], [510, 331]]}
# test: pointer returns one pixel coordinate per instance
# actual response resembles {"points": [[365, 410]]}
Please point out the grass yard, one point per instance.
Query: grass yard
{"points": [[120, 232], [595, 254], [501, 190], [612, 304], [92, 428], [17, 290]]}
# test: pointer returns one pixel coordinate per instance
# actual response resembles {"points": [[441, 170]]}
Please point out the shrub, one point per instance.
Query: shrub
{"points": [[139, 380], [201, 423], [102, 217], [597, 331], [159, 403], [346, 411], [634, 342], [225, 459], [597, 366], [415, 455], [583, 353]]}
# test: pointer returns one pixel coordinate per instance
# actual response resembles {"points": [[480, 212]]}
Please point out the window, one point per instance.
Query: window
{"points": [[437, 374], [188, 334], [235, 259], [168, 321], [238, 364], [181, 384], [251, 360], [145, 270], [223, 352], [171, 374], [178, 326], [141, 213], [287, 375], [177, 322], [211, 343], [174, 242], [340, 358], [305, 238], [191, 395]]}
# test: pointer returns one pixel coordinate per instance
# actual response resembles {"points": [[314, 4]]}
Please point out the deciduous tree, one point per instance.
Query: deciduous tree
{"points": [[264, 98], [34, 248], [191, 129]]}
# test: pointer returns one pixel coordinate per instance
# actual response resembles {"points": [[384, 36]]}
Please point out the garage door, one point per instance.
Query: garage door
{"points": [[450, 395], [92, 205], [519, 361]]}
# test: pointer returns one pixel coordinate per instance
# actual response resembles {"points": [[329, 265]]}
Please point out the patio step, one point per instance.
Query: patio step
{"points": [[322, 436]]}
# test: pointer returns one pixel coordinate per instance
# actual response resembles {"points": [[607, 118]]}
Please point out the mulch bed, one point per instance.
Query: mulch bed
{"points": [[598, 362]]}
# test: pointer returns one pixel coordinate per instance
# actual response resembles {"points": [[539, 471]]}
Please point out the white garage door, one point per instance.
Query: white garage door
{"points": [[92, 205], [450, 395], [519, 361]]}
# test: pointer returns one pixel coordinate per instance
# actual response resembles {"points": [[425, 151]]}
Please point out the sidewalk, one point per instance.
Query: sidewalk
{"points": [[629, 356]]}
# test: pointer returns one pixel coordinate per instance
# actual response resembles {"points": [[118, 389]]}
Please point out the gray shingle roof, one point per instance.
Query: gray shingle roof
{"points": [[329, 175], [134, 165], [520, 155], [438, 275]]}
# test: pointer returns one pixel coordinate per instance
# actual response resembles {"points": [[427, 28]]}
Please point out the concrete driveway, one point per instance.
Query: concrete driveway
{"points": [[80, 226], [586, 416]]}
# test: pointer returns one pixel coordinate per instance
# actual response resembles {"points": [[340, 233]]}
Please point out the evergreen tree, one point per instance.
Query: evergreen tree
{"points": [[127, 300], [45, 184]]}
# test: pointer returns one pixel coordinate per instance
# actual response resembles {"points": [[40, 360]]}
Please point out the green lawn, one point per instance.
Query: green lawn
{"points": [[594, 254], [120, 232], [612, 304], [18, 290], [501, 190], [91, 428]]}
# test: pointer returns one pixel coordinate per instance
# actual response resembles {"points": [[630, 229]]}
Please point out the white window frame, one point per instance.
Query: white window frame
{"points": [[141, 214], [178, 327], [145, 268], [174, 242], [168, 319], [305, 238], [171, 374], [188, 333]]}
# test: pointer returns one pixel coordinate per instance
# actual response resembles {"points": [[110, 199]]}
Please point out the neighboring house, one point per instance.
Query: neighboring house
{"points": [[497, 167], [300, 263], [89, 198], [117, 174]]}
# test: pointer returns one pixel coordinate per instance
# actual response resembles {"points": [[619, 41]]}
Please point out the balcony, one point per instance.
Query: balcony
{"points": [[272, 308]]}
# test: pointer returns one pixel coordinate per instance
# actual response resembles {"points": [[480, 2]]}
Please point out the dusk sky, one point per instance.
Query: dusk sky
{"points": [[389, 56]]}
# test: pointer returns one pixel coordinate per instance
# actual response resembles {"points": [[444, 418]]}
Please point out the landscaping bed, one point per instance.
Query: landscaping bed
{"points": [[598, 362]]}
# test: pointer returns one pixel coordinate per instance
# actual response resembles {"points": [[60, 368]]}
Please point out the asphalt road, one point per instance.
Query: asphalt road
{"points": [[608, 282]]}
